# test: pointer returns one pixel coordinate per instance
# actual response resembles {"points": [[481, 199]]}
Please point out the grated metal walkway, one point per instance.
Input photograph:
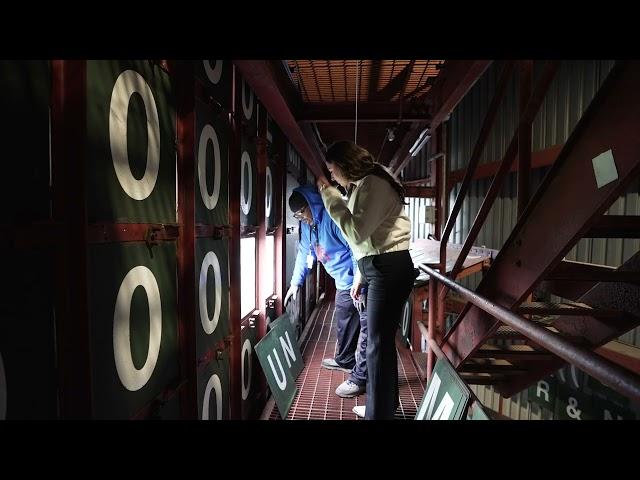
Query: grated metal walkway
{"points": [[316, 398]]}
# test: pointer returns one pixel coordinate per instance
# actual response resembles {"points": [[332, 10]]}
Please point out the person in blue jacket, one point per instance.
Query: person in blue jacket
{"points": [[321, 239]]}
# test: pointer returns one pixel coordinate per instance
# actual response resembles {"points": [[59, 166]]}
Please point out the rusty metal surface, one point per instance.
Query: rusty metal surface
{"points": [[234, 258], [68, 168]]}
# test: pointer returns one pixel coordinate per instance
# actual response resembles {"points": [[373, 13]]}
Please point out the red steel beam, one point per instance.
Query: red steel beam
{"points": [[279, 185], [406, 143], [571, 279], [417, 182], [419, 295], [440, 180], [419, 192], [259, 74], [615, 226], [212, 231], [261, 234], [563, 208], [626, 355], [368, 112], [451, 86], [539, 159], [186, 132], [568, 270], [68, 162], [431, 320], [261, 238], [131, 232], [439, 300]]}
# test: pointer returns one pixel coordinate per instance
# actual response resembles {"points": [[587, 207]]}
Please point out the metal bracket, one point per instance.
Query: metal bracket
{"points": [[150, 238]]}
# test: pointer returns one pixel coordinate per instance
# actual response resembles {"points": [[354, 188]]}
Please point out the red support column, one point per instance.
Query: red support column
{"points": [[440, 290], [437, 174], [185, 91], [68, 161], [279, 183], [433, 311], [261, 237], [261, 233], [419, 295], [234, 259]]}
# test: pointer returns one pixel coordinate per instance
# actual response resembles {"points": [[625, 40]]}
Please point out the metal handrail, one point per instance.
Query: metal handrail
{"points": [[607, 372]]}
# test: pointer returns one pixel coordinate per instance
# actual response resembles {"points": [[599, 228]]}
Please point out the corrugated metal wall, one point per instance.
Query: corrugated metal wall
{"points": [[419, 168], [415, 211], [570, 93]]}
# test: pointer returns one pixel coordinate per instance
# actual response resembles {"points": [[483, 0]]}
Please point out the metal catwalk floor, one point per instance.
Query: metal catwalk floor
{"points": [[316, 398]]}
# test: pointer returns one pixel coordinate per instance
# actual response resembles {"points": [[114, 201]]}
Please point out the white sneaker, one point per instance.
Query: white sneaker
{"points": [[359, 410], [348, 389], [331, 364]]}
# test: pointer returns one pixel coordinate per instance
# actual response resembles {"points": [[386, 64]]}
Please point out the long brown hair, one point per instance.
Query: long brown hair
{"points": [[356, 163]]}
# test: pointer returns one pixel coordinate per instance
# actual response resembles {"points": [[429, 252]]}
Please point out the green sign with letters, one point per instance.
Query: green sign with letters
{"points": [[543, 392], [281, 361], [605, 410], [573, 405], [569, 394], [285, 330], [446, 397]]}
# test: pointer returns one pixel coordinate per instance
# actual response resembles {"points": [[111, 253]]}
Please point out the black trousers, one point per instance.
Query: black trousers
{"points": [[390, 277]]}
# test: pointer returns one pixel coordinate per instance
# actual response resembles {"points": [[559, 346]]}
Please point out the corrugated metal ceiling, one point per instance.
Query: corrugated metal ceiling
{"points": [[335, 80]]}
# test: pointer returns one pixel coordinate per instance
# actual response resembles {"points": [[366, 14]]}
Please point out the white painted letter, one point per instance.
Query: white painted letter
{"points": [[282, 383], [287, 349]]}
